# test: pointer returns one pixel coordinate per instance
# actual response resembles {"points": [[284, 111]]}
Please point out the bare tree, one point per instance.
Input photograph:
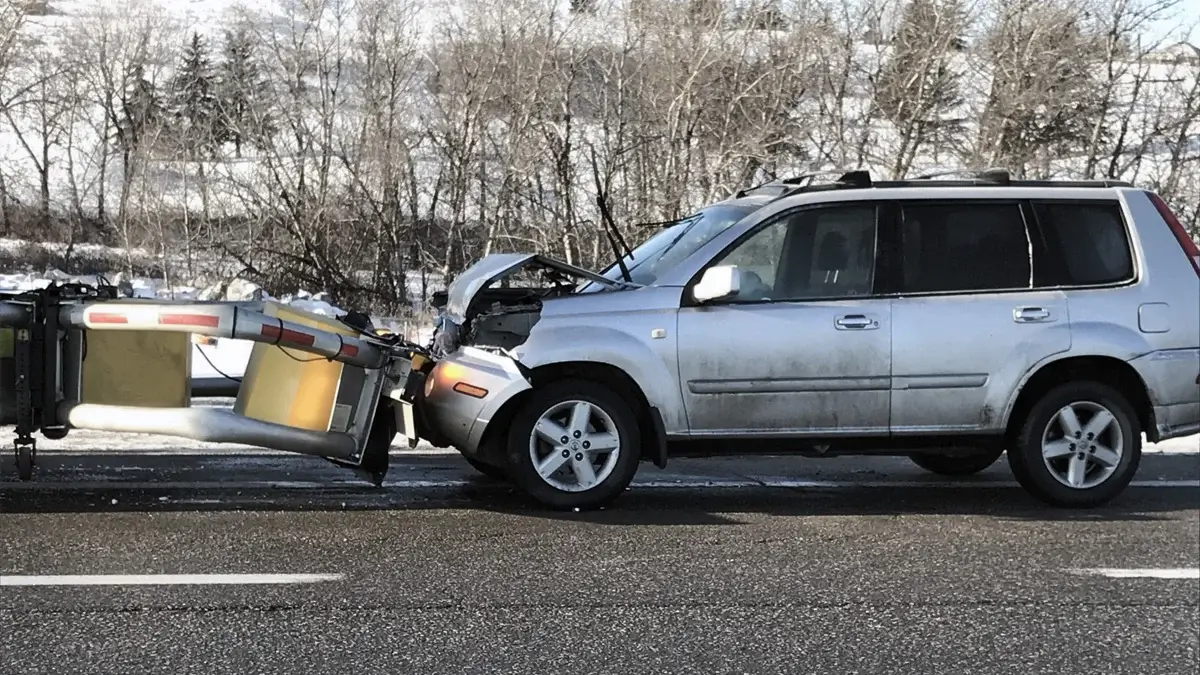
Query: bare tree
{"points": [[12, 18], [121, 53], [379, 148], [37, 120], [344, 145], [1122, 84], [919, 89], [1043, 99]]}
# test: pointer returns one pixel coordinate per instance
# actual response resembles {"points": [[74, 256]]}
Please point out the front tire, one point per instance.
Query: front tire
{"points": [[1079, 446], [952, 465], [574, 444], [490, 470]]}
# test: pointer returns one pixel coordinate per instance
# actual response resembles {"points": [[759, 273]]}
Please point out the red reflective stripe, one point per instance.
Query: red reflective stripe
{"points": [[189, 320], [287, 335], [348, 350], [106, 317]]}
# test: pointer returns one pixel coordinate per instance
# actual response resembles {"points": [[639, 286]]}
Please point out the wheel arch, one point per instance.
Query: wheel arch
{"points": [[1108, 370], [650, 424]]}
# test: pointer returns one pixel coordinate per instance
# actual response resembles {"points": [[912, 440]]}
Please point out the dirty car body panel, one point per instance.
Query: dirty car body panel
{"points": [[804, 350]]}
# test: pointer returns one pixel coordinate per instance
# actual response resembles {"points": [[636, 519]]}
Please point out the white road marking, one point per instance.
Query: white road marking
{"points": [[162, 579], [1131, 573]]}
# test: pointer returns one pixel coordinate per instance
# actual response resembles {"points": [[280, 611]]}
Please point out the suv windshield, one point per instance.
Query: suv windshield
{"points": [[676, 242]]}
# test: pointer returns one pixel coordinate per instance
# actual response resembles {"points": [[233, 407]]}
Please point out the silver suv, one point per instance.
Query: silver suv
{"points": [[944, 320]]}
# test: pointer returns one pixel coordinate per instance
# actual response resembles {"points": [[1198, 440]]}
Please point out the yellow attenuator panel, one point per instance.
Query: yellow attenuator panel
{"points": [[138, 368], [288, 386]]}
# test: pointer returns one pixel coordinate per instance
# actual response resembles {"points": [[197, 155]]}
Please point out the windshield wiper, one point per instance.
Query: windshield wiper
{"points": [[690, 223], [664, 224], [610, 226]]}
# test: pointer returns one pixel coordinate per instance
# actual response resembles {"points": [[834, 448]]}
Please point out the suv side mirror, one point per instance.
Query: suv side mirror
{"points": [[718, 283]]}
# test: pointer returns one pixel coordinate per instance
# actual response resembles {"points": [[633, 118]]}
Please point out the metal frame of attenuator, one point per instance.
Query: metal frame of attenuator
{"points": [[50, 326]]}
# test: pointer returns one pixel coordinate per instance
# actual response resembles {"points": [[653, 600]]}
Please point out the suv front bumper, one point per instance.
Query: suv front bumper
{"points": [[452, 402]]}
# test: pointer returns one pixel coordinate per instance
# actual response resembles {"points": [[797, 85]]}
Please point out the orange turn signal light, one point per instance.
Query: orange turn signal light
{"points": [[470, 390]]}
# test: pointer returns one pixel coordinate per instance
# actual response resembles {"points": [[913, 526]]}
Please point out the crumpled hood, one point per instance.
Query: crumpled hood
{"points": [[496, 266]]}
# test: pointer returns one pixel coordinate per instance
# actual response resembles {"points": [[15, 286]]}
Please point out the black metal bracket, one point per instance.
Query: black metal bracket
{"points": [[36, 357], [24, 355]]}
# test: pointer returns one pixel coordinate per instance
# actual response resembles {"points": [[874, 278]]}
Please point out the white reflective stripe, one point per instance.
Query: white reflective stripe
{"points": [[162, 579], [1152, 573]]}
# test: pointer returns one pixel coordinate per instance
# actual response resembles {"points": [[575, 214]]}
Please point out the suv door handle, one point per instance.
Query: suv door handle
{"points": [[856, 322], [1031, 314]]}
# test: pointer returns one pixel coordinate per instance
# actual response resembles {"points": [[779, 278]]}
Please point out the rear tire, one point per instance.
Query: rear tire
{"points": [[1079, 446], [585, 439], [961, 465]]}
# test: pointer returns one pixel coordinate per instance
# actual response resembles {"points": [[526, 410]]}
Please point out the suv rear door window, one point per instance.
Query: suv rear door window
{"points": [[953, 247], [1086, 244]]}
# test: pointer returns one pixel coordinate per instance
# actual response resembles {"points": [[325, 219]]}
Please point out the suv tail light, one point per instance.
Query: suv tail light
{"points": [[1185, 242]]}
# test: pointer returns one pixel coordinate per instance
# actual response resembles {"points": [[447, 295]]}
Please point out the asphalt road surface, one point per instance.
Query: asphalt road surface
{"points": [[754, 565]]}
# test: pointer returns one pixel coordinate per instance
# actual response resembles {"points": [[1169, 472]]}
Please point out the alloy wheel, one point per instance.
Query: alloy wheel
{"points": [[1082, 445], [574, 446]]}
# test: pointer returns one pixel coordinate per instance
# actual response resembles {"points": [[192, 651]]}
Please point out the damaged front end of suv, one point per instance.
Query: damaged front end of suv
{"points": [[495, 304], [558, 378], [472, 367]]}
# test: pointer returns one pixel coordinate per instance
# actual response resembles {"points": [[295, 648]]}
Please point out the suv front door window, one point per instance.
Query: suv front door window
{"points": [[804, 349]]}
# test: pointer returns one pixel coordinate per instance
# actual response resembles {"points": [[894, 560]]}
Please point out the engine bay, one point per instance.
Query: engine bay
{"points": [[501, 313]]}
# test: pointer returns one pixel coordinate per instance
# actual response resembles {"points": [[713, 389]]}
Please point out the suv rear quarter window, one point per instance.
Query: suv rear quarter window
{"points": [[1086, 244]]}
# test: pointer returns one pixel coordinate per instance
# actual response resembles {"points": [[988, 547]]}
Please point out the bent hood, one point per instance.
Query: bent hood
{"points": [[492, 268]]}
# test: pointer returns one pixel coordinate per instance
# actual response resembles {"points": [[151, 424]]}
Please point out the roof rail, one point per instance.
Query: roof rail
{"points": [[997, 175], [857, 179], [1002, 176], [789, 185], [861, 178], [806, 178]]}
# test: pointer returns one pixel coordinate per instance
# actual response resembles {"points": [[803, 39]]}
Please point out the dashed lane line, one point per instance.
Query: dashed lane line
{"points": [[163, 579], [1141, 573]]}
